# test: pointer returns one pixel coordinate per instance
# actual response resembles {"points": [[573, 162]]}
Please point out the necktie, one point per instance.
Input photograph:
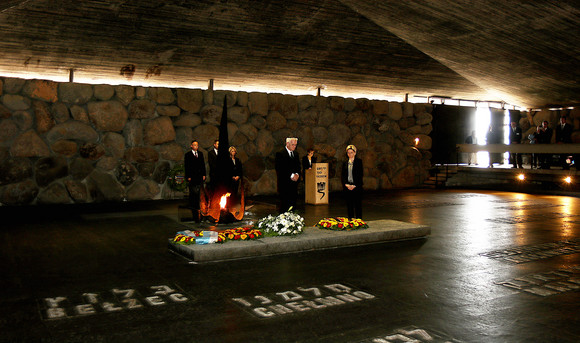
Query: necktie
{"points": [[292, 154]]}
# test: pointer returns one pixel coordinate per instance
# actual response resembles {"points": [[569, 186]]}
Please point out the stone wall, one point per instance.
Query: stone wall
{"points": [[78, 143]]}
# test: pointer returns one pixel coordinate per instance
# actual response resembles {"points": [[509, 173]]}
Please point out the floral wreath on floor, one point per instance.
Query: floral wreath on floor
{"points": [[188, 237], [176, 178], [284, 224], [239, 234], [341, 223]]}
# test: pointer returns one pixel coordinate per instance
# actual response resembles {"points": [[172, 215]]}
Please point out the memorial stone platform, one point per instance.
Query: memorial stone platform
{"points": [[379, 231]]}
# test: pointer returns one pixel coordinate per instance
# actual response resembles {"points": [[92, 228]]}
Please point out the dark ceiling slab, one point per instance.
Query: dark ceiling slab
{"points": [[6, 4], [353, 47], [526, 50]]}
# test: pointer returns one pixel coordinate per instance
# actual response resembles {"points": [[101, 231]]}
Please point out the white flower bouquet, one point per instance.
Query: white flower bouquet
{"points": [[285, 224]]}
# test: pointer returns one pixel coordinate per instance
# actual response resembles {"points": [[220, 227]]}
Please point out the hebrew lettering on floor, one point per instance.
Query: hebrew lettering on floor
{"points": [[114, 300], [411, 334], [301, 299], [549, 283], [535, 252]]}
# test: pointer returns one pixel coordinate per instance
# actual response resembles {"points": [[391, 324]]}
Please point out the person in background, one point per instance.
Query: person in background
{"points": [[534, 139], [471, 156], [564, 136], [235, 167], [491, 137], [308, 160], [564, 131], [352, 183], [515, 137], [288, 173], [195, 175], [212, 162], [545, 138]]}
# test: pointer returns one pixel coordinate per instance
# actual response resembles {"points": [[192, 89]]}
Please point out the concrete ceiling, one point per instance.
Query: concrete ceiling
{"points": [[525, 53]]}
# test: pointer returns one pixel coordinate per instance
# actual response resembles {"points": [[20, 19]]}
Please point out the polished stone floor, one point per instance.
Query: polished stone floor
{"points": [[497, 267]]}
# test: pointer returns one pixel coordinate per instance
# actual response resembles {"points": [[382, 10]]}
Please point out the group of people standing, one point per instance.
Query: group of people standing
{"points": [[542, 135], [289, 171], [234, 171], [195, 173]]}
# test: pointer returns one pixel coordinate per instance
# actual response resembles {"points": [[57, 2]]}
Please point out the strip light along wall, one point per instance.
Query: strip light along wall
{"points": [[75, 75]]}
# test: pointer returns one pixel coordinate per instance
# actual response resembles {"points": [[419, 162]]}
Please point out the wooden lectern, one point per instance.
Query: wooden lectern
{"points": [[316, 187]]}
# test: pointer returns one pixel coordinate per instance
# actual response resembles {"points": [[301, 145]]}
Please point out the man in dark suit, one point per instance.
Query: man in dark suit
{"points": [[288, 173], [195, 176], [564, 136], [212, 162], [515, 138], [545, 138], [564, 132]]}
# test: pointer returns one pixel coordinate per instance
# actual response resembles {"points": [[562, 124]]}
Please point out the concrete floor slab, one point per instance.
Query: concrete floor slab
{"points": [[497, 267]]}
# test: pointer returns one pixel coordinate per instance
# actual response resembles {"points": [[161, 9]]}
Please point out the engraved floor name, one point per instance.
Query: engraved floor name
{"points": [[536, 217], [411, 334], [418, 204], [507, 201], [529, 207], [535, 252], [545, 284], [115, 300], [301, 299]]}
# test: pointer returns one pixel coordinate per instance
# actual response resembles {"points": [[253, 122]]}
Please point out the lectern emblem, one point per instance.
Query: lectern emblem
{"points": [[321, 189]]}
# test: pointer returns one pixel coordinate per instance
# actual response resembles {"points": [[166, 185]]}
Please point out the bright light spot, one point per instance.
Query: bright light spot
{"points": [[506, 132], [521, 177], [224, 200], [417, 141], [568, 209], [568, 179], [477, 231], [467, 103], [482, 121]]}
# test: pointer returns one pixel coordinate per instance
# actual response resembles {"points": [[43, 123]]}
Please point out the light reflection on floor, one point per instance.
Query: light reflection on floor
{"points": [[477, 231], [570, 224]]}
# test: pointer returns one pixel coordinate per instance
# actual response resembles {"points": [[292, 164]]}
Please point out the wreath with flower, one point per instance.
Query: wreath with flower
{"points": [[176, 178], [239, 234], [187, 237], [341, 223], [284, 224]]}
